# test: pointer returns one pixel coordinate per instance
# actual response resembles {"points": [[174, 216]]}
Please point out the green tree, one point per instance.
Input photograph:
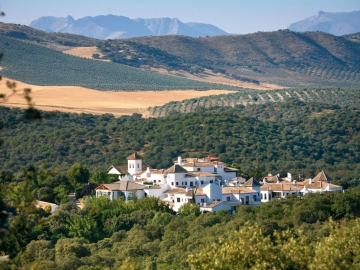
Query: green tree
{"points": [[78, 174], [83, 227], [189, 209]]}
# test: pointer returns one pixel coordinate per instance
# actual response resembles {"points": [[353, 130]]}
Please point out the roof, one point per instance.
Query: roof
{"points": [[198, 164], [134, 156], [227, 169], [120, 185], [156, 171], [199, 191], [179, 191], [252, 182], [237, 190], [322, 176], [211, 205], [282, 187], [122, 168], [272, 179], [176, 169], [321, 185], [200, 174]]}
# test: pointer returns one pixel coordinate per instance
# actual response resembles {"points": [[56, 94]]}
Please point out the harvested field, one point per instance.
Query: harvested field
{"points": [[83, 100]]}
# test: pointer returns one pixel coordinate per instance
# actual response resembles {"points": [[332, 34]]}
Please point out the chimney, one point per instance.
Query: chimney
{"points": [[310, 181], [179, 160]]}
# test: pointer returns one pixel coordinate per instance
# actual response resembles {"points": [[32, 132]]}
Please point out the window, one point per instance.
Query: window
{"points": [[198, 169], [154, 181], [182, 183], [202, 200], [177, 183], [185, 183], [138, 165], [269, 197], [261, 196], [191, 184], [265, 196], [228, 198], [247, 200], [202, 182], [178, 199], [254, 197], [211, 181], [215, 169], [172, 183]]}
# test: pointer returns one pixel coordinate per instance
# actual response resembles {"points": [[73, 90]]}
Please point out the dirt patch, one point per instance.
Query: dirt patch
{"points": [[209, 76], [86, 52], [83, 100]]}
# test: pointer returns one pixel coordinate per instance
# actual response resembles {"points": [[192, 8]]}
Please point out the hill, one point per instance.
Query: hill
{"points": [[57, 41], [38, 65], [281, 57], [353, 37], [339, 23], [112, 27], [334, 96], [277, 137]]}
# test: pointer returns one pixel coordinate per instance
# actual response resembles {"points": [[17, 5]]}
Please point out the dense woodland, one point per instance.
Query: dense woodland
{"points": [[302, 138], [320, 231]]}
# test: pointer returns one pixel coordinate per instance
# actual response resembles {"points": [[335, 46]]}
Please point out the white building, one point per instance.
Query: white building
{"points": [[206, 182]]}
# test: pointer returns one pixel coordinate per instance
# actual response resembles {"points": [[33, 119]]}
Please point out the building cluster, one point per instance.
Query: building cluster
{"points": [[206, 182]]}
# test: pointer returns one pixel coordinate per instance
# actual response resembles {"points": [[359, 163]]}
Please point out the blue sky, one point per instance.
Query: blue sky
{"points": [[233, 16]]}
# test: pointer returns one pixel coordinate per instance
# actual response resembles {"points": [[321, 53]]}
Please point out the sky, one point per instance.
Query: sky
{"points": [[233, 16]]}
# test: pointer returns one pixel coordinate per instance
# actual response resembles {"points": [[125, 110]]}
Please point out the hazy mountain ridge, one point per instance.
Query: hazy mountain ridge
{"points": [[339, 23], [111, 27]]}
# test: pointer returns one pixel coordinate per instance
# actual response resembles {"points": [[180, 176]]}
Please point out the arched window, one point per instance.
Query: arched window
{"points": [[261, 196], [265, 196]]}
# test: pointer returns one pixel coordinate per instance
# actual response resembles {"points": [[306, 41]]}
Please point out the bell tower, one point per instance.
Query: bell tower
{"points": [[134, 164]]}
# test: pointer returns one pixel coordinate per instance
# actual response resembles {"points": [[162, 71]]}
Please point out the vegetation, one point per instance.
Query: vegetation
{"points": [[319, 231], [281, 57], [294, 136], [30, 63], [57, 41], [336, 96]]}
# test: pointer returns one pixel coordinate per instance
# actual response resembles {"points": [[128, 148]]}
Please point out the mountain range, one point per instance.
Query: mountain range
{"points": [[114, 27], [338, 24]]}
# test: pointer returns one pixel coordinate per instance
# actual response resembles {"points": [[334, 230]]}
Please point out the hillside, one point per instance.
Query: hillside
{"points": [[260, 60], [38, 65], [303, 138], [57, 41], [334, 96], [353, 37], [282, 57], [338, 23], [113, 27]]}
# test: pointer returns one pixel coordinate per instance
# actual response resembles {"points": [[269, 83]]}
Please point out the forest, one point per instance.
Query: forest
{"points": [[320, 231], [292, 136]]}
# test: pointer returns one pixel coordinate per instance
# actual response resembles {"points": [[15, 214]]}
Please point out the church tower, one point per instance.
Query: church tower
{"points": [[134, 164]]}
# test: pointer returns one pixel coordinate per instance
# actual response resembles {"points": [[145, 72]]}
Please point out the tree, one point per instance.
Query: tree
{"points": [[78, 174], [189, 209]]}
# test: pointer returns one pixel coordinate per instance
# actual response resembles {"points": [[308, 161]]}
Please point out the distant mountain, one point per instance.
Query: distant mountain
{"points": [[113, 27], [340, 23]]}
